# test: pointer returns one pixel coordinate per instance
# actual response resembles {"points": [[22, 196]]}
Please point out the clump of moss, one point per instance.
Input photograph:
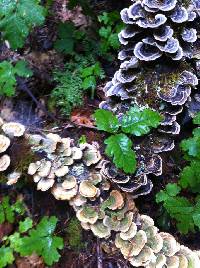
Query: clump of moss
{"points": [[74, 234]]}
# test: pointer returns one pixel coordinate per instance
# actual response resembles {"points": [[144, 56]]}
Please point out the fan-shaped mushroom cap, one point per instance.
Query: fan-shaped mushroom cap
{"points": [[4, 143], [192, 256], [62, 171], [61, 194], [155, 243], [13, 129], [130, 233], [183, 261], [85, 226], [33, 167], [91, 155], [158, 262], [4, 162], [69, 182], [179, 14], [1, 122], [77, 153], [125, 223], [78, 201], [100, 230], [13, 178], [87, 189], [165, 5], [138, 242], [146, 52], [163, 33], [54, 137], [44, 168], [170, 246], [172, 262], [143, 258], [45, 184], [189, 35], [146, 222], [118, 200], [155, 22], [87, 215]]}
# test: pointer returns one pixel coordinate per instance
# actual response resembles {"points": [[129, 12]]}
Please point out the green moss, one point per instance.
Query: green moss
{"points": [[24, 163], [74, 235]]}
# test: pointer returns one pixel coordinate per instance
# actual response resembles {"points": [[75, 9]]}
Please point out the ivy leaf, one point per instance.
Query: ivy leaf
{"points": [[139, 122], [17, 18], [6, 256], [190, 177], [106, 121], [42, 241], [119, 147], [25, 225]]}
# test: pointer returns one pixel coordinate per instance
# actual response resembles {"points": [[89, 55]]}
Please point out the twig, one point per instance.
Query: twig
{"points": [[99, 255], [22, 85]]}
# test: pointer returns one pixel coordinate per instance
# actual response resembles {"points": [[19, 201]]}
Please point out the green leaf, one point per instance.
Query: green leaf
{"points": [[6, 256], [25, 225], [8, 76], [191, 146], [17, 18], [105, 32], [114, 41], [22, 70], [119, 148], [172, 189], [8, 210], [42, 241], [67, 36], [196, 119], [190, 177], [7, 79], [106, 121], [87, 71], [185, 213], [89, 82], [139, 122]]}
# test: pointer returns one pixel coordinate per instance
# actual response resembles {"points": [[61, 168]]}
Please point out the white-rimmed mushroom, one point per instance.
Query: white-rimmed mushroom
{"points": [[13, 129], [4, 162]]}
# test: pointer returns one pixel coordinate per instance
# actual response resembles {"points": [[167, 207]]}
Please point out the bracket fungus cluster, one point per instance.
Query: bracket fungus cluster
{"points": [[80, 175], [157, 46], [64, 165], [157, 28], [144, 246], [8, 132]]}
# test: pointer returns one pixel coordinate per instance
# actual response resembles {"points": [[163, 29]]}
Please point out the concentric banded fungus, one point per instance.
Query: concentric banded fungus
{"points": [[164, 37], [4, 143], [154, 30], [4, 162], [13, 129], [61, 169], [147, 247]]}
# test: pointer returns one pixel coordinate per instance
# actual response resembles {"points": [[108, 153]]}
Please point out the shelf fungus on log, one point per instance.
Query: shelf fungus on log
{"points": [[155, 72], [153, 29], [144, 246], [9, 132], [65, 168]]}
